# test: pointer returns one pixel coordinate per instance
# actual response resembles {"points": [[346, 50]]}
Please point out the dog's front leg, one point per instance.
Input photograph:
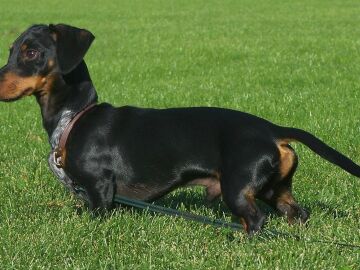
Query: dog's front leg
{"points": [[98, 193], [60, 173]]}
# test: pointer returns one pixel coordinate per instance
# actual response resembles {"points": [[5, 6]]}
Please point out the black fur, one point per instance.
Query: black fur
{"points": [[146, 153]]}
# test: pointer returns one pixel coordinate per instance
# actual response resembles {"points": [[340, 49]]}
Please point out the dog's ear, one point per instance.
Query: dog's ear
{"points": [[72, 44]]}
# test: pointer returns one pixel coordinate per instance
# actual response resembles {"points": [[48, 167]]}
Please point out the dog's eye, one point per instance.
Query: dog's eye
{"points": [[31, 54]]}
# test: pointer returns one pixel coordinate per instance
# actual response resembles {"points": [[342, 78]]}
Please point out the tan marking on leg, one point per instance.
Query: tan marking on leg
{"points": [[249, 195], [285, 196], [50, 63], [136, 190], [287, 159], [244, 224], [212, 185], [286, 201]]}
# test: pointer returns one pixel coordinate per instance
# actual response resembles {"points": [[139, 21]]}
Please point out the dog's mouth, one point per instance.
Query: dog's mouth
{"points": [[12, 94], [14, 87], [11, 99]]}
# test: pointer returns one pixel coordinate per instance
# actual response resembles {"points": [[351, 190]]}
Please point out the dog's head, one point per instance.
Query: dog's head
{"points": [[38, 55]]}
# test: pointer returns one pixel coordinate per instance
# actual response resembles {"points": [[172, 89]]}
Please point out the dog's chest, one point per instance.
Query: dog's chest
{"points": [[65, 118], [60, 173]]}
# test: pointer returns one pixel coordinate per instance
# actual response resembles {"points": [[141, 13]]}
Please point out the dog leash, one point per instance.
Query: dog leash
{"points": [[217, 222], [176, 213]]}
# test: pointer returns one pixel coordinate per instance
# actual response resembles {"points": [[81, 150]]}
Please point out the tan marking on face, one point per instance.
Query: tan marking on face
{"points": [[287, 159], [44, 92], [13, 86], [11, 46], [23, 47]]}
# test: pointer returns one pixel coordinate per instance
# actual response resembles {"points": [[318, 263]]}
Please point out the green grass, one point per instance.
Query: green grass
{"points": [[296, 63]]}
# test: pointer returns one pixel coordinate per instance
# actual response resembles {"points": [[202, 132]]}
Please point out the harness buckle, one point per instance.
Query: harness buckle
{"points": [[57, 157]]}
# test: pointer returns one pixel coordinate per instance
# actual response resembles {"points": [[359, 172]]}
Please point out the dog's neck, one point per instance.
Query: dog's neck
{"points": [[68, 95]]}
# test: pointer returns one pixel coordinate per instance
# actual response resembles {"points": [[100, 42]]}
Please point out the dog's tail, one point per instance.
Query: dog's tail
{"points": [[293, 134]]}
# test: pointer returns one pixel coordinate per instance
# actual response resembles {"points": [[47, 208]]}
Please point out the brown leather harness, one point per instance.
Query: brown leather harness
{"points": [[59, 152]]}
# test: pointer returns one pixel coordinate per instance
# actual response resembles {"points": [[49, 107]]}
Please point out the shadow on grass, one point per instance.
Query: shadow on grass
{"points": [[187, 200], [183, 200], [332, 211], [190, 201]]}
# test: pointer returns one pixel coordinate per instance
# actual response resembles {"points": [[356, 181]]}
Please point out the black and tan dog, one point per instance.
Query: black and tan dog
{"points": [[146, 153]]}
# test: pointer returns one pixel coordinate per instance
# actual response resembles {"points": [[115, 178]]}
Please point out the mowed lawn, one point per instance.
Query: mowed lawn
{"points": [[296, 63]]}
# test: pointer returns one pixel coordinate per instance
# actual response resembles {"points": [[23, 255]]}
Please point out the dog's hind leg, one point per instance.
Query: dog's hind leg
{"points": [[242, 205], [243, 177], [278, 193], [286, 205], [98, 195]]}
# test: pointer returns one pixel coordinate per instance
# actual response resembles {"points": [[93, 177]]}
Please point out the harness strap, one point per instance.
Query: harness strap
{"points": [[59, 151]]}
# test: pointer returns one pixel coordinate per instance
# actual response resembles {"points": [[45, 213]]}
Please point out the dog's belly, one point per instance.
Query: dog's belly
{"points": [[212, 185], [149, 190], [139, 191]]}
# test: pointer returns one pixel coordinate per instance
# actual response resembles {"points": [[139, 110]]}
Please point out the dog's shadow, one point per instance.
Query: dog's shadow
{"points": [[190, 201], [184, 200], [330, 210], [193, 200]]}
